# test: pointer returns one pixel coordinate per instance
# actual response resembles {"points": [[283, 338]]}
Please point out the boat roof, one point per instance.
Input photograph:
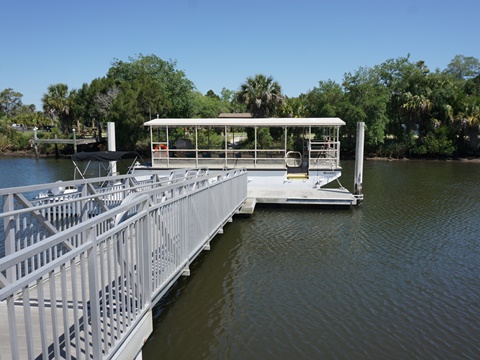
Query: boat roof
{"points": [[104, 155], [302, 122]]}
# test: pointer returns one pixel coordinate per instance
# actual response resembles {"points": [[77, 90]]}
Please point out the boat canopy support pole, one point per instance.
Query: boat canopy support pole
{"points": [[359, 158]]}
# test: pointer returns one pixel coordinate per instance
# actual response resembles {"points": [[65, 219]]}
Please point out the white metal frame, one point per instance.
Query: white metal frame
{"points": [[322, 153]]}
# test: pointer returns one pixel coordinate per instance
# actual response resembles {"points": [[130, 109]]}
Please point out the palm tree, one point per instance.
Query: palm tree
{"points": [[262, 95], [469, 120], [416, 107], [56, 104]]}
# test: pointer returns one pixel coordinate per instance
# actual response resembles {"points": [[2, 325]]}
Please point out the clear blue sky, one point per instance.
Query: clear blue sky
{"points": [[218, 43]]}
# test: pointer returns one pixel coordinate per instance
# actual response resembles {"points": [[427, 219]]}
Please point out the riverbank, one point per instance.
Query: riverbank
{"points": [[31, 154], [471, 159]]}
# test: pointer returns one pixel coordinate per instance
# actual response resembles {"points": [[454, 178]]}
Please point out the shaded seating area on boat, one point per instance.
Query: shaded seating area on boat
{"points": [[245, 142]]}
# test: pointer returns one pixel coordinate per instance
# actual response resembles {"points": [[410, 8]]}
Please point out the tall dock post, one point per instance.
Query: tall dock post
{"points": [[35, 138], [112, 146], [359, 158], [74, 141]]}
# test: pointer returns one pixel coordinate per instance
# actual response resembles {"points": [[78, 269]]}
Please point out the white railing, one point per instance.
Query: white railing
{"points": [[85, 300], [324, 154], [33, 213], [218, 159]]}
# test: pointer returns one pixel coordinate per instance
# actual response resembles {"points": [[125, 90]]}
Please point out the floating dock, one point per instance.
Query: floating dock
{"points": [[327, 197]]}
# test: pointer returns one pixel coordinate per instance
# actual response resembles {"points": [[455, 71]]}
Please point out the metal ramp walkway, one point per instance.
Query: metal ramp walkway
{"points": [[83, 270]]}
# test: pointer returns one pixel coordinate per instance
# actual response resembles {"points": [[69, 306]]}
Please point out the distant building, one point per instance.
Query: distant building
{"points": [[234, 116]]}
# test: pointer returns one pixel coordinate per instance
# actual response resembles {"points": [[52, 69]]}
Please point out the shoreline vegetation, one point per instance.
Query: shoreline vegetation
{"points": [[409, 111], [31, 154]]}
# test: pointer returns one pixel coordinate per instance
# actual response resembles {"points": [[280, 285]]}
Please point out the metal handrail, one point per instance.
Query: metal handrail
{"points": [[96, 292]]}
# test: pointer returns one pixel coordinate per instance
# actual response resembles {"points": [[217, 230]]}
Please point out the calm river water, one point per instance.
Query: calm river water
{"points": [[395, 278]]}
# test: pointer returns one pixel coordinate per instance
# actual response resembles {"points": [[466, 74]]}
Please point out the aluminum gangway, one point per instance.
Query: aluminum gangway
{"points": [[83, 269]]}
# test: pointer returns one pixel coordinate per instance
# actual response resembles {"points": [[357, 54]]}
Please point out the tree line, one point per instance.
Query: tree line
{"points": [[409, 110]]}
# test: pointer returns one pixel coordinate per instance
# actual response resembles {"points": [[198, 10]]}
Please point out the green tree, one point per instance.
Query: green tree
{"points": [[364, 91], [130, 109], [57, 104], [472, 86], [208, 106], [92, 103], [445, 96], [176, 89], [8, 135], [138, 90], [210, 93], [435, 143], [469, 122], [81, 108], [401, 76], [10, 102], [262, 96], [463, 67], [293, 107], [232, 104], [415, 107], [325, 100], [29, 117], [329, 100]]}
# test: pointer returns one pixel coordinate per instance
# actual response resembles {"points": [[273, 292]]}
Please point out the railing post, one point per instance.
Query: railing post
{"points": [[84, 203], [9, 228], [337, 150], [93, 288], [147, 254], [12, 323]]}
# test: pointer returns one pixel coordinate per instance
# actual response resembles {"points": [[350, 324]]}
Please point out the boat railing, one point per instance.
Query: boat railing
{"points": [[214, 158], [324, 154]]}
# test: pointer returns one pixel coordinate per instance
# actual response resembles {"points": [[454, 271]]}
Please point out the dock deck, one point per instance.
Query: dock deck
{"points": [[302, 196]]}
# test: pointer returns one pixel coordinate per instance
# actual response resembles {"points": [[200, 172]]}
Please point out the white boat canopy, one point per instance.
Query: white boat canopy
{"points": [[248, 122]]}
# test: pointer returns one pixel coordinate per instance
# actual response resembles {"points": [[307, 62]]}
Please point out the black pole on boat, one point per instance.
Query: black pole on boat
{"points": [[359, 159]]}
